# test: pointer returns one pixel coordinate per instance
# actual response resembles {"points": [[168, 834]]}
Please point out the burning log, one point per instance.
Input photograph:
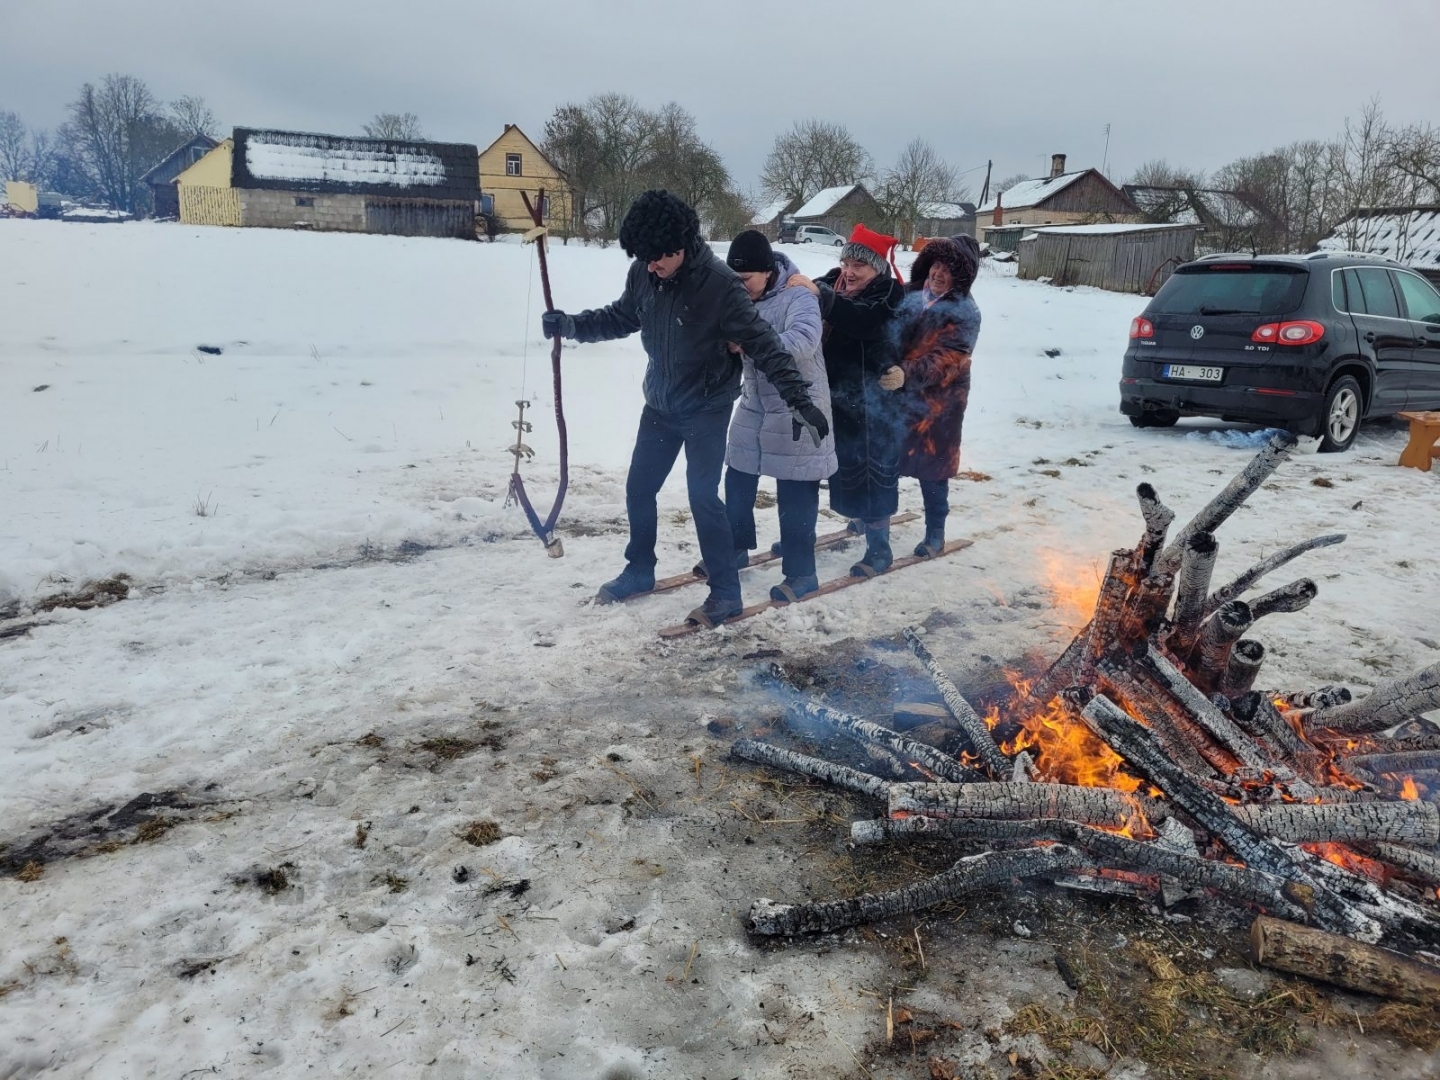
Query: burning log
{"points": [[1157, 517], [1257, 715], [814, 768], [1219, 509], [1332, 959], [1139, 748], [1218, 635], [975, 729], [1061, 673], [1388, 704], [1015, 802], [1288, 598], [863, 731], [1219, 726], [1172, 725], [968, 874], [1104, 631], [1401, 764], [1266, 566], [1243, 667], [1420, 865], [1147, 605], [1191, 588], [1325, 697], [1111, 849], [1411, 822]]}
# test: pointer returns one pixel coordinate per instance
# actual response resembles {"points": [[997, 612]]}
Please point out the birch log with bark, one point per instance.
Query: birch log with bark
{"points": [[1218, 635], [809, 714], [1157, 517], [1191, 587], [976, 730], [1242, 583], [1240, 488], [1405, 822], [815, 768], [1288, 598], [1108, 848], [1243, 667], [1388, 704], [1324, 697], [1329, 958], [1144, 754], [975, 872], [1011, 801]]}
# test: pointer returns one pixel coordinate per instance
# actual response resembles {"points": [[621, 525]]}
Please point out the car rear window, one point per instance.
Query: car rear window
{"points": [[1231, 290]]}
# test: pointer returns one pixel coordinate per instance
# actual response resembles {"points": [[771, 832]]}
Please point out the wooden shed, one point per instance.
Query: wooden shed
{"points": [[299, 180], [1133, 258], [160, 179], [839, 208]]}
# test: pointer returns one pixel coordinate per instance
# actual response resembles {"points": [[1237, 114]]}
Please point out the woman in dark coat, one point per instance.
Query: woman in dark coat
{"points": [[857, 301], [938, 325]]}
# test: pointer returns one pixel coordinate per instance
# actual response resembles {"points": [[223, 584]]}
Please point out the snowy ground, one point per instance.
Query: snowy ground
{"points": [[314, 524]]}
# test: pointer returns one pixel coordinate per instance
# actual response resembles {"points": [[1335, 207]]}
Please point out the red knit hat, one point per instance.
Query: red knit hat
{"points": [[872, 248]]}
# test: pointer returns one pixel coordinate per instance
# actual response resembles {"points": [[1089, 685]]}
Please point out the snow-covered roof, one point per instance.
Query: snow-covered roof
{"points": [[1107, 228], [1032, 192], [771, 212], [302, 161], [946, 211], [1409, 235], [822, 202]]}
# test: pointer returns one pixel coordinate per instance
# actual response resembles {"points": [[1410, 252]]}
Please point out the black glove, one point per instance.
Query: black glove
{"points": [[808, 417], [557, 322]]}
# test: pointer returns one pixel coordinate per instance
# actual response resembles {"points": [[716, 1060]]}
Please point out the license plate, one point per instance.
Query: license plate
{"points": [[1194, 372]]}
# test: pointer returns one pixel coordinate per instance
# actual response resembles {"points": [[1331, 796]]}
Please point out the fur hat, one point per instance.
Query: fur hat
{"points": [[658, 223], [951, 254], [750, 253], [871, 248]]}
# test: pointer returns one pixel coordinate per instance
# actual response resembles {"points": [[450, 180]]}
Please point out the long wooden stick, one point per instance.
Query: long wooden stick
{"points": [[815, 768], [1385, 706], [976, 730], [1235, 588]]}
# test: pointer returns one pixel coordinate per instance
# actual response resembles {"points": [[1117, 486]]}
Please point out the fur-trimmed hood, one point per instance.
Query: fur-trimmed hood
{"points": [[962, 263]]}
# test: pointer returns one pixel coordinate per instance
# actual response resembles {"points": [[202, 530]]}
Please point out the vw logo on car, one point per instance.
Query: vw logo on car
{"points": [[1197, 332]]}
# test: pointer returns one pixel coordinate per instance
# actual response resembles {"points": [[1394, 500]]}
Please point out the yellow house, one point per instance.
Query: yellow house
{"points": [[512, 164], [207, 196], [22, 197]]}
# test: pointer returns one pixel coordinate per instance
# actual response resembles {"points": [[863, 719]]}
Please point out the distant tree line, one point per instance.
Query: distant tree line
{"points": [[1306, 189]]}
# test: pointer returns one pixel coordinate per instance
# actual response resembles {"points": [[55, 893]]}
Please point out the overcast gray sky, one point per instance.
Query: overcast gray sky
{"points": [[1199, 83]]}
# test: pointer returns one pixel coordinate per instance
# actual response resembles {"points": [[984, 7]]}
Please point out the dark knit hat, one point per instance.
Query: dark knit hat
{"points": [[869, 247], [750, 253], [954, 255], [658, 223]]}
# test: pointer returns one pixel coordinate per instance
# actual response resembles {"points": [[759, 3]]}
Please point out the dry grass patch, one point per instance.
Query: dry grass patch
{"points": [[481, 833]]}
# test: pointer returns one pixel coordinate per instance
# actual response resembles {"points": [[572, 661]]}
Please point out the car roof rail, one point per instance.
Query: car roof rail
{"points": [[1226, 255], [1367, 255]]}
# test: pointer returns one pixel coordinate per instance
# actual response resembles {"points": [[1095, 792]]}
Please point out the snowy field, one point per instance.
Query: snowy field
{"points": [[330, 601]]}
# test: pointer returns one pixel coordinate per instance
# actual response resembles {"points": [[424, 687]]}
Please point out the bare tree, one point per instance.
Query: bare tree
{"points": [[391, 125], [812, 156], [119, 131], [1002, 186], [1160, 173], [919, 178], [14, 147], [193, 116]]}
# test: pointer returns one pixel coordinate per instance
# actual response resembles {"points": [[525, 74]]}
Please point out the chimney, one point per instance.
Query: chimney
{"points": [[999, 218], [1057, 165]]}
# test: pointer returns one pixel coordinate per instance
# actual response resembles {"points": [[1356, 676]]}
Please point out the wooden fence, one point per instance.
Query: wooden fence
{"points": [[1134, 261]]}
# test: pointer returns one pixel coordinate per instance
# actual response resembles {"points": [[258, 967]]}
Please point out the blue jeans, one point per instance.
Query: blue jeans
{"points": [[658, 443], [799, 502]]}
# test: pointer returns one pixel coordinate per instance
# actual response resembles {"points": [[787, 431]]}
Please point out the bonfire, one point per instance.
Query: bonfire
{"points": [[1144, 760]]}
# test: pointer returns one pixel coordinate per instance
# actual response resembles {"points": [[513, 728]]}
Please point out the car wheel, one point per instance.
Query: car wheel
{"points": [[1340, 415]]}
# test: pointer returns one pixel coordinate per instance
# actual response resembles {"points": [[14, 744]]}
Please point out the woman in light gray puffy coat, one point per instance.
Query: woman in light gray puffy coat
{"points": [[762, 441]]}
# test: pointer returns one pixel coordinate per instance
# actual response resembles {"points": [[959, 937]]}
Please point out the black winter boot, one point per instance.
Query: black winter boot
{"points": [[715, 611], [934, 541], [878, 556], [632, 580], [742, 560], [794, 588]]}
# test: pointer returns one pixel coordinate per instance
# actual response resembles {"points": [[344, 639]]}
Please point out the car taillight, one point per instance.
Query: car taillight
{"points": [[1141, 327], [1289, 333]]}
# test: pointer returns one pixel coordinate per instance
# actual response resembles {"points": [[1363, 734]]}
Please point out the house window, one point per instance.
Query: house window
{"points": [[487, 204], [304, 200], [196, 153], [512, 165], [544, 207]]}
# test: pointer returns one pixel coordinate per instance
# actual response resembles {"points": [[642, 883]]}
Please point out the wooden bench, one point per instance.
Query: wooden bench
{"points": [[1424, 431]]}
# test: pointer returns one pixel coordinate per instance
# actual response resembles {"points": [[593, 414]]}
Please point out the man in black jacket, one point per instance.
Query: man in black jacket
{"points": [[688, 306]]}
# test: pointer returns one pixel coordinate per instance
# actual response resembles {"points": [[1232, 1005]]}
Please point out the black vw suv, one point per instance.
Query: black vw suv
{"points": [[1312, 343]]}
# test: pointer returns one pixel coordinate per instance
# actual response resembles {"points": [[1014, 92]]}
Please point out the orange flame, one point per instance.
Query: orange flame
{"points": [[1347, 859], [1074, 587], [1065, 750], [1408, 790]]}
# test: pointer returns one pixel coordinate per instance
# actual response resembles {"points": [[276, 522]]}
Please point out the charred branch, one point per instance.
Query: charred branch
{"points": [[1420, 866], [1147, 605], [1219, 509], [1157, 517], [1243, 667], [811, 767], [809, 714], [1288, 598], [1104, 632], [1218, 635], [976, 730], [1191, 587], [1235, 588], [1183, 739], [1203, 710], [1385, 706], [1255, 713], [1326, 697], [1015, 802], [1402, 764], [975, 872], [1410, 822]]}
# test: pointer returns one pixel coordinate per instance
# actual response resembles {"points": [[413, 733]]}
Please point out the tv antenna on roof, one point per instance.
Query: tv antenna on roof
{"points": [[1104, 161]]}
